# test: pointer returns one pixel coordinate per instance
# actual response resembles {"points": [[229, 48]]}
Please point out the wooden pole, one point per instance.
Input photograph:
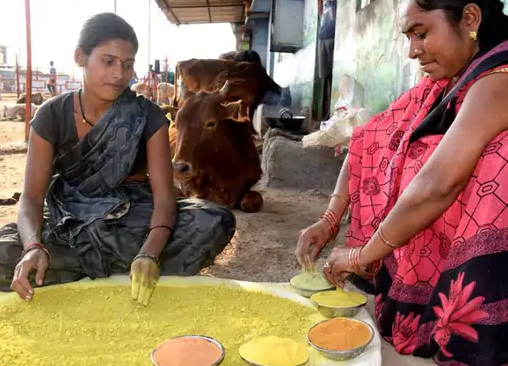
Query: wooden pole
{"points": [[28, 87]]}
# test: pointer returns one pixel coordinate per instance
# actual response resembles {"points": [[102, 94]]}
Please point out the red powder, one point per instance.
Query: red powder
{"points": [[186, 351]]}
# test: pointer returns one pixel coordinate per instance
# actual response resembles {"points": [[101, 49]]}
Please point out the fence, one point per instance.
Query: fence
{"points": [[13, 80]]}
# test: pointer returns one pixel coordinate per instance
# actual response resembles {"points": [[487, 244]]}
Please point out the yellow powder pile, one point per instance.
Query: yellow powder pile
{"points": [[339, 298], [102, 326], [309, 280], [275, 351]]}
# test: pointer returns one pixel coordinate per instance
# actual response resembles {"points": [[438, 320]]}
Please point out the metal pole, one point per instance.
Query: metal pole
{"points": [[149, 29], [18, 88], [28, 88], [114, 6]]}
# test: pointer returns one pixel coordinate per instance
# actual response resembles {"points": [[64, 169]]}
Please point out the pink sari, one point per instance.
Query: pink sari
{"points": [[444, 295]]}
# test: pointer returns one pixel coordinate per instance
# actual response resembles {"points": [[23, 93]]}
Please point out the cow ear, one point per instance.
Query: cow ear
{"points": [[233, 111]]}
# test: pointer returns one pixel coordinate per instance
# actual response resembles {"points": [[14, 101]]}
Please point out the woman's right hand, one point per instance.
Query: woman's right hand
{"points": [[35, 259], [311, 242]]}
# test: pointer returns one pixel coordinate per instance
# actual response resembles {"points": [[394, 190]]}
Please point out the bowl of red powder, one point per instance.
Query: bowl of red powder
{"points": [[188, 350]]}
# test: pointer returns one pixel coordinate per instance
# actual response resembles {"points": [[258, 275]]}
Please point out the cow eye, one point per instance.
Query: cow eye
{"points": [[211, 124]]}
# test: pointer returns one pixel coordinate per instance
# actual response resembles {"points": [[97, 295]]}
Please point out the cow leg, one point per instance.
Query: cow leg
{"points": [[252, 201]]}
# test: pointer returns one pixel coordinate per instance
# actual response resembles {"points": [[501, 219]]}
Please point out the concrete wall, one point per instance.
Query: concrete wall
{"points": [[297, 70], [369, 47]]}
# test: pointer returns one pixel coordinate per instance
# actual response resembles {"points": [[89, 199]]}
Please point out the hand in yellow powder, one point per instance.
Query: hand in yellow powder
{"points": [[144, 276], [311, 242], [338, 268], [33, 260]]}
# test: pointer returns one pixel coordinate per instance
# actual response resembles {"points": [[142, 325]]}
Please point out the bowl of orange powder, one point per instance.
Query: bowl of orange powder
{"points": [[340, 339], [188, 350]]}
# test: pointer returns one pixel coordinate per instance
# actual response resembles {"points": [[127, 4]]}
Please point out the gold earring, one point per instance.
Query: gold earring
{"points": [[473, 36]]}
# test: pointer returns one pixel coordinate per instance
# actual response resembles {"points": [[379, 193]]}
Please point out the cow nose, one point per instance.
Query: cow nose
{"points": [[182, 167]]}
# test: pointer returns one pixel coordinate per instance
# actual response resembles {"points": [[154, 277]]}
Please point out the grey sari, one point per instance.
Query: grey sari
{"points": [[95, 224]]}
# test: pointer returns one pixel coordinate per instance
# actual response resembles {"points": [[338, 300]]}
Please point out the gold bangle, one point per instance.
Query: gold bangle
{"points": [[346, 202], [383, 239]]}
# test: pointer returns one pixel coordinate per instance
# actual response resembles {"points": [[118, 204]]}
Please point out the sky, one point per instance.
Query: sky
{"points": [[56, 25]]}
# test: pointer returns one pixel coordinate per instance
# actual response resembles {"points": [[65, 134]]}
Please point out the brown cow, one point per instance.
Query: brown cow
{"points": [[214, 156], [242, 56], [37, 98], [248, 81]]}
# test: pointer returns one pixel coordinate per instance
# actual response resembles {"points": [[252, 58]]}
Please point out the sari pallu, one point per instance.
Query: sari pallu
{"points": [[443, 295], [95, 223]]}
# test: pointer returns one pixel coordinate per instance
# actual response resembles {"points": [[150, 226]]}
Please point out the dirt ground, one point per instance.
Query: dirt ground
{"points": [[261, 250]]}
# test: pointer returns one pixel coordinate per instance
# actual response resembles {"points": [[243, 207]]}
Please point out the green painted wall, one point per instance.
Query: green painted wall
{"points": [[369, 47]]}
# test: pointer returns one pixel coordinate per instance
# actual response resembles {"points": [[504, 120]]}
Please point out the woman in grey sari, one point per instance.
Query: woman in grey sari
{"points": [[100, 158]]}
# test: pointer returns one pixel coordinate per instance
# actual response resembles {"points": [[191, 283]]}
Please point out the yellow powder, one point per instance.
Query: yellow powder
{"points": [[275, 351], [102, 327], [338, 298], [309, 280]]}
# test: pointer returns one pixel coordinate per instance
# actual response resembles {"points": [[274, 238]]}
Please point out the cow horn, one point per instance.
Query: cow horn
{"points": [[225, 88]]}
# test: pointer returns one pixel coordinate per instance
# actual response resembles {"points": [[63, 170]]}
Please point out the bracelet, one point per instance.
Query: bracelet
{"points": [[354, 262], [386, 242], [162, 226], [34, 246], [149, 256], [346, 202], [333, 222]]}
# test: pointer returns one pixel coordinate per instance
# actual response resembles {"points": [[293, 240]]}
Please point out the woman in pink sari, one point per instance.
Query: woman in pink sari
{"points": [[427, 182]]}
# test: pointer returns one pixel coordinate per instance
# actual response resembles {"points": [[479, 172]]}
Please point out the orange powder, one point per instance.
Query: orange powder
{"points": [[339, 334], [186, 351]]}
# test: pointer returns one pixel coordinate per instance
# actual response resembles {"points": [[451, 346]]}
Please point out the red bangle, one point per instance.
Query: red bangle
{"points": [[33, 246], [37, 245], [333, 222], [354, 261]]}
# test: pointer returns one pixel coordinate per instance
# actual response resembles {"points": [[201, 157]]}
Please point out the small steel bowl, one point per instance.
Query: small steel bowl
{"points": [[346, 354], [209, 339], [338, 311], [307, 292]]}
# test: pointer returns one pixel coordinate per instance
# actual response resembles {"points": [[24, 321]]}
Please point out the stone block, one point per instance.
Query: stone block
{"points": [[287, 164]]}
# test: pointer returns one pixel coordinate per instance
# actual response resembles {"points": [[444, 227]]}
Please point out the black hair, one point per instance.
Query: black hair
{"points": [[105, 27], [493, 27]]}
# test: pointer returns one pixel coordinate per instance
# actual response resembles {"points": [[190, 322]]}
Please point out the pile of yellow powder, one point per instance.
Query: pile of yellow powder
{"points": [[309, 280], [339, 298], [102, 327], [275, 351]]}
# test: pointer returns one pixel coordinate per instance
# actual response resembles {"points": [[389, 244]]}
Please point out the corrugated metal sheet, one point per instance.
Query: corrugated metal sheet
{"points": [[202, 11]]}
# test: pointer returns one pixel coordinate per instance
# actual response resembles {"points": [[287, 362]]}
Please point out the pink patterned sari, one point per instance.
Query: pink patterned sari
{"points": [[444, 295]]}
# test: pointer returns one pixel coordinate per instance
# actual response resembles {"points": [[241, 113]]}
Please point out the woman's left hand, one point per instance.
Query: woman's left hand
{"points": [[144, 276], [338, 268]]}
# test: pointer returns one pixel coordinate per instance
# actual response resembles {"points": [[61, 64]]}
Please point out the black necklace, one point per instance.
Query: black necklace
{"points": [[82, 110]]}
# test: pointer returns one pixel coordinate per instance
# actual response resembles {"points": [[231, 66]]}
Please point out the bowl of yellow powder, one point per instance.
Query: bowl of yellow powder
{"points": [[340, 339], [338, 303], [308, 283], [274, 351]]}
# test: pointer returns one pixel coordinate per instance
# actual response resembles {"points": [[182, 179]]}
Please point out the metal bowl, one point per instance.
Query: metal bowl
{"points": [[308, 292], [257, 364], [338, 311], [209, 339], [346, 354]]}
